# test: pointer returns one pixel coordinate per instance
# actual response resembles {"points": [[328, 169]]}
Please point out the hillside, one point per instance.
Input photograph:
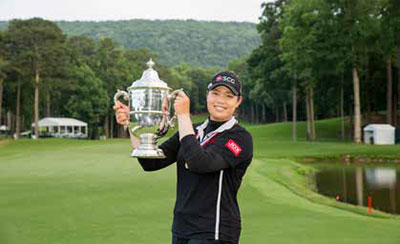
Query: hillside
{"points": [[199, 43]]}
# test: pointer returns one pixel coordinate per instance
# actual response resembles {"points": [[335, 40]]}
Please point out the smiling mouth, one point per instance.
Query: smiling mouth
{"points": [[219, 108]]}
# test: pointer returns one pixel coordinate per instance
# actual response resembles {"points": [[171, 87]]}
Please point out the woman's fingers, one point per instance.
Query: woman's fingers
{"points": [[122, 120], [121, 113], [181, 97], [121, 116], [182, 104], [122, 110], [181, 94], [120, 105], [123, 105]]}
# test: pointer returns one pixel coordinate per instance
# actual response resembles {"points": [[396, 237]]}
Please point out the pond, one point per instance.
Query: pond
{"points": [[355, 184]]}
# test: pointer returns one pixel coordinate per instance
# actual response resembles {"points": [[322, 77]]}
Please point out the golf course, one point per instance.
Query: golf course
{"points": [[82, 191]]}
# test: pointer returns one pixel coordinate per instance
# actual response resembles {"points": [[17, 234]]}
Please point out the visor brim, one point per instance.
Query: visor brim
{"points": [[233, 89]]}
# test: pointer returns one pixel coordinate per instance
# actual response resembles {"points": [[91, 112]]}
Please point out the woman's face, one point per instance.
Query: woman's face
{"points": [[221, 103]]}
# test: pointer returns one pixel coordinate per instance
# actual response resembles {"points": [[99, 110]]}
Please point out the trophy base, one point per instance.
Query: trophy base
{"points": [[148, 148], [158, 153]]}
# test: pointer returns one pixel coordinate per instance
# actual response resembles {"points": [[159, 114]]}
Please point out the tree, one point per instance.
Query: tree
{"points": [[387, 44], [270, 81], [82, 50], [304, 26], [241, 68], [111, 68], [200, 79], [389, 20], [89, 101], [39, 42], [180, 78], [358, 18], [3, 65], [18, 77]]}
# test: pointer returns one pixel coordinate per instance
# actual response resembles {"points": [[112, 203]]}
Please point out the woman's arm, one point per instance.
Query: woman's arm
{"points": [[170, 148], [201, 162], [228, 151], [216, 157]]}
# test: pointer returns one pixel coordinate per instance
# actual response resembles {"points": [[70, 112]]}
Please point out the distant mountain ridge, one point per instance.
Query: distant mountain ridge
{"points": [[199, 43]]}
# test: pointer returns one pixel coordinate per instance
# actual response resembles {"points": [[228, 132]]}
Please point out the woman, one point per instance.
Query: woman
{"points": [[212, 158]]}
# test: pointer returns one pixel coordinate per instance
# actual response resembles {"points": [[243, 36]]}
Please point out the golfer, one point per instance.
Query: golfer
{"points": [[212, 158]]}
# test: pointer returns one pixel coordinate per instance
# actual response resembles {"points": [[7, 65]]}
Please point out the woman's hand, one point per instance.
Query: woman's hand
{"points": [[122, 116], [121, 113], [182, 111], [182, 104]]}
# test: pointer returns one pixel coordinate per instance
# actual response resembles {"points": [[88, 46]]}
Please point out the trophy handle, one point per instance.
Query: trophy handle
{"points": [[172, 96], [126, 98]]}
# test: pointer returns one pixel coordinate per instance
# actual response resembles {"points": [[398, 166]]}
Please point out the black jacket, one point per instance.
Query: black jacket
{"points": [[209, 178]]}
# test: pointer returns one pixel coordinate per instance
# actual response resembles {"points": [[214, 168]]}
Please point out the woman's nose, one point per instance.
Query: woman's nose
{"points": [[220, 100]]}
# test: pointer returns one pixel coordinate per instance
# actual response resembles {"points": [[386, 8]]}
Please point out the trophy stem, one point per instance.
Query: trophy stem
{"points": [[148, 147]]}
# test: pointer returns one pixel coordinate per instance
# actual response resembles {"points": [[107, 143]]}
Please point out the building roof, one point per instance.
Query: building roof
{"points": [[379, 127], [51, 121]]}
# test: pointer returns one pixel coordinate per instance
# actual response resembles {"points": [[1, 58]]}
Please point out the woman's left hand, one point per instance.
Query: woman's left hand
{"points": [[182, 104]]}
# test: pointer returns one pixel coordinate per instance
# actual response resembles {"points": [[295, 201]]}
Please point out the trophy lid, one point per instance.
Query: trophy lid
{"points": [[149, 79]]}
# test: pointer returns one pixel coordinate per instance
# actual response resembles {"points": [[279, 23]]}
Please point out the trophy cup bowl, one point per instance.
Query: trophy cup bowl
{"points": [[149, 100]]}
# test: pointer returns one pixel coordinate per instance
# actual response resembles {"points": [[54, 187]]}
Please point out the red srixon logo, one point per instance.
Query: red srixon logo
{"points": [[234, 147], [219, 78]]}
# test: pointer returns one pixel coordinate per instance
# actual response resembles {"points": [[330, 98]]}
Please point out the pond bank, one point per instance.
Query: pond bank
{"points": [[295, 176], [349, 158]]}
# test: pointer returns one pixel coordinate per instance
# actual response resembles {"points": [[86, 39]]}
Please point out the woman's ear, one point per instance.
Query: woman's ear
{"points": [[240, 99]]}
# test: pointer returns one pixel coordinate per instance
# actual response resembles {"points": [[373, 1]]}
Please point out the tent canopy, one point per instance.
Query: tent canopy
{"points": [[50, 121], [380, 127]]}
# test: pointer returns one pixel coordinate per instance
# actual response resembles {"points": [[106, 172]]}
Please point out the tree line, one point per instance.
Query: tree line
{"points": [[44, 73], [333, 57]]}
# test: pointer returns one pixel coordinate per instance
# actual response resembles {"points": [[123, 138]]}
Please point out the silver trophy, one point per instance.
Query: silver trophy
{"points": [[149, 100]]}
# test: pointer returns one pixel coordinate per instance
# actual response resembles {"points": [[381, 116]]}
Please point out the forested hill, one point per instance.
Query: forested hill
{"points": [[199, 43]]}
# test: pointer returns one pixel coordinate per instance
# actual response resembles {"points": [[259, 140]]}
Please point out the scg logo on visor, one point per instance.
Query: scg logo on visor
{"points": [[225, 78]]}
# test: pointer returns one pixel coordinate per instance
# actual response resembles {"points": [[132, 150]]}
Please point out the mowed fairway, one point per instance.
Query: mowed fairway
{"points": [[70, 191]]}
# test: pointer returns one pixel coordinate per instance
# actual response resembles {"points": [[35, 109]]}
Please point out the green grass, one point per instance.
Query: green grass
{"points": [[76, 191]]}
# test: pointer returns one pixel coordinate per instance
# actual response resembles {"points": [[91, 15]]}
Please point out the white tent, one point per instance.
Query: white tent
{"points": [[379, 134], [62, 127], [3, 128]]}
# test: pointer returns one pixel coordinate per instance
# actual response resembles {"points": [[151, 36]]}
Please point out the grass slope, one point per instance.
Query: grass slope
{"points": [[69, 191]]}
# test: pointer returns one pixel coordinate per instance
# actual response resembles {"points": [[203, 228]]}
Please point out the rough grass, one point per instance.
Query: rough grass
{"points": [[76, 191]]}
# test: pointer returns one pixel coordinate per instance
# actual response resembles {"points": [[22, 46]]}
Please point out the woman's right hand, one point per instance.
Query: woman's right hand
{"points": [[121, 113], [122, 116]]}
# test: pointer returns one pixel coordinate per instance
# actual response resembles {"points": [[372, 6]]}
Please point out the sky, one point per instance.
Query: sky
{"points": [[220, 10]]}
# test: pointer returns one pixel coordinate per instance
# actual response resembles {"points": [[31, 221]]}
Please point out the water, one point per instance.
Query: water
{"points": [[354, 184]]}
